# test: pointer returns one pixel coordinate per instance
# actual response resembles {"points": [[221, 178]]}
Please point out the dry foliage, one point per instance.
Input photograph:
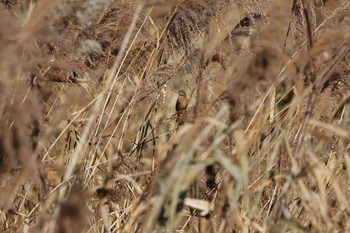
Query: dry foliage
{"points": [[90, 140]]}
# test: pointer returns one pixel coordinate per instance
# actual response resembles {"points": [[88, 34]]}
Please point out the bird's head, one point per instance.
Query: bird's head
{"points": [[182, 93]]}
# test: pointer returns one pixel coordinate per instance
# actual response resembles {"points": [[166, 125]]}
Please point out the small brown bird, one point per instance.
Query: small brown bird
{"points": [[182, 101]]}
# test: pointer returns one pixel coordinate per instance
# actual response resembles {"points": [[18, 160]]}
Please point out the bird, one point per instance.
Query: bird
{"points": [[182, 101]]}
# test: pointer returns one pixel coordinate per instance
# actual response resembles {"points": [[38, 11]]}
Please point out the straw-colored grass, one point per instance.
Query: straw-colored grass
{"points": [[90, 140]]}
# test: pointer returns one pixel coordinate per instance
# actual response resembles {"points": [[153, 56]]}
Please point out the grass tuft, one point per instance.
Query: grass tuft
{"points": [[90, 139]]}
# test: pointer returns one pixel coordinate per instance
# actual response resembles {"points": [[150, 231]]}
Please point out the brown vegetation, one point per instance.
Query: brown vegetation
{"points": [[90, 140]]}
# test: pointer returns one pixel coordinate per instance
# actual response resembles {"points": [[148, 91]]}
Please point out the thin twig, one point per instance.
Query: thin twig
{"points": [[311, 77]]}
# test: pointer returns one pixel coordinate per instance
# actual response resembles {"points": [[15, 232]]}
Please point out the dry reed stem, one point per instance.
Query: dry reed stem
{"points": [[90, 141]]}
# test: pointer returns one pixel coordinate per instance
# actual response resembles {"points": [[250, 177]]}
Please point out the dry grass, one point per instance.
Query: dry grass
{"points": [[90, 140]]}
